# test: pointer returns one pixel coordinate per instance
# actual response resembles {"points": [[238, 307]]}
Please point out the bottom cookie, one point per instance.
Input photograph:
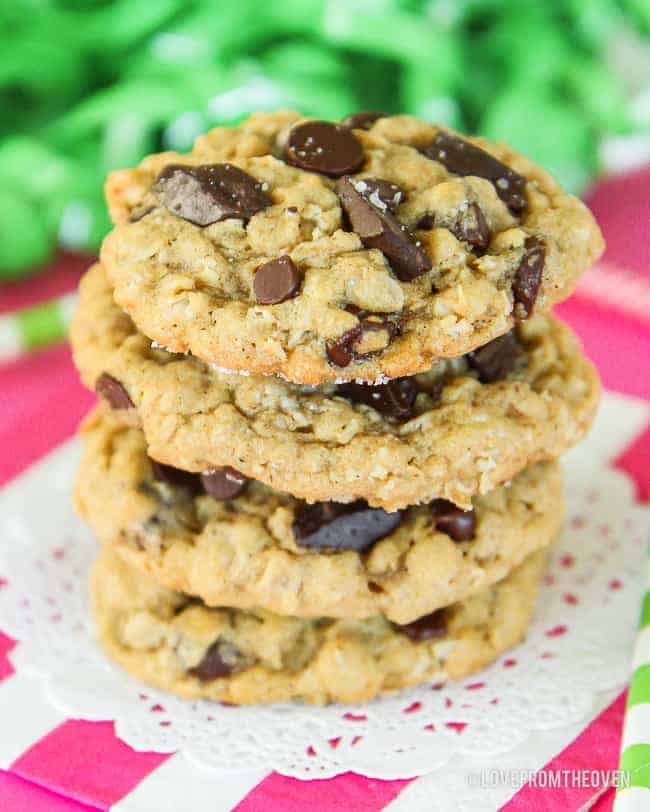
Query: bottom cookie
{"points": [[178, 644]]}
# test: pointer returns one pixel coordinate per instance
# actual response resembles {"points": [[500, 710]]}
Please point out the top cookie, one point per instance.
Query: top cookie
{"points": [[328, 252]]}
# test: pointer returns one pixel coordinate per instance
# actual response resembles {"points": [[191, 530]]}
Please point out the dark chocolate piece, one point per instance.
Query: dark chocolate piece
{"points": [[496, 360], [343, 350], [276, 281], [380, 229], [223, 483], [319, 146], [113, 392], [383, 194], [210, 193], [362, 121], [458, 524], [463, 158], [220, 660], [335, 526], [176, 477], [430, 627], [528, 278], [393, 399]]}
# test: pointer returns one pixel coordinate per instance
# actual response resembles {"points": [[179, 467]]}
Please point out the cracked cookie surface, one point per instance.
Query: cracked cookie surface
{"points": [[246, 552], [439, 258], [174, 643], [464, 436]]}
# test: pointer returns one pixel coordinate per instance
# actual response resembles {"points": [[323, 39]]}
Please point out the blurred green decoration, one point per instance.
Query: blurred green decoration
{"points": [[88, 86]]}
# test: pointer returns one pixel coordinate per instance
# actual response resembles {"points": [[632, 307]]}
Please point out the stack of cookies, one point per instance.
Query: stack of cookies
{"points": [[332, 401]]}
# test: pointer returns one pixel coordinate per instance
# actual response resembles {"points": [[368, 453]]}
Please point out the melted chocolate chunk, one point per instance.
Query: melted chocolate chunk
{"points": [[335, 526], [113, 392], [429, 627], [393, 399], [383, 194], [176, 477], [210, 193], [381, 230], [340, 352], [528, 278], [276, 281], [220, 660], [223, 483], [496, 360], [463, 158], [362, 121], [343, 350], [458, 524], [469, 226], [320, 146]]}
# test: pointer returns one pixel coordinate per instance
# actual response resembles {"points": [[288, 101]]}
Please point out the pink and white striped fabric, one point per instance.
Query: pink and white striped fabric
{"points": [[54, 764]]}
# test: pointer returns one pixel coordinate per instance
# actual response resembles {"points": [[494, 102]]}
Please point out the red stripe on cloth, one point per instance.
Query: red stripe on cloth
{"points": [[605, 803], [59, 278], [596, 748], [622, 207], [18, 795], [349, 791], [620, 346], [6, 644], [635, 461], [42, 402], [87, 762]]}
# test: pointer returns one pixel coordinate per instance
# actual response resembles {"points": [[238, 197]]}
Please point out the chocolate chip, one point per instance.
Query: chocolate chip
{"points": [[463, 158], [393, 399], [528, 278], [210, 193], [176, 477], [223, 483], [344, 349], [276, 281], [220, 660], [496, 360], [113, 392], [459, 524], [362, 121], [334, 526], [381, 230], [429, 627], [381, 193], [319, 146]]}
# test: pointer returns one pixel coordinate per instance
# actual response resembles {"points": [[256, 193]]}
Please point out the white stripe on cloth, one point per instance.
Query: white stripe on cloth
{"points": [[634, 799], [636, 729], [613, 286], [642, 652], [178, 784], [67, 307], [11, 341], [26, 717]]}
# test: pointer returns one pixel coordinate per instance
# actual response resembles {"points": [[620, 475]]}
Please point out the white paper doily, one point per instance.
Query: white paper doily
{"points": [[578, 646]]}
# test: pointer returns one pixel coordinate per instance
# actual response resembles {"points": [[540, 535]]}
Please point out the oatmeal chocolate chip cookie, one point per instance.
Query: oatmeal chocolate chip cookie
{"points": [[175, 643], [463, 428], [275, 243], [252, 547]]}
